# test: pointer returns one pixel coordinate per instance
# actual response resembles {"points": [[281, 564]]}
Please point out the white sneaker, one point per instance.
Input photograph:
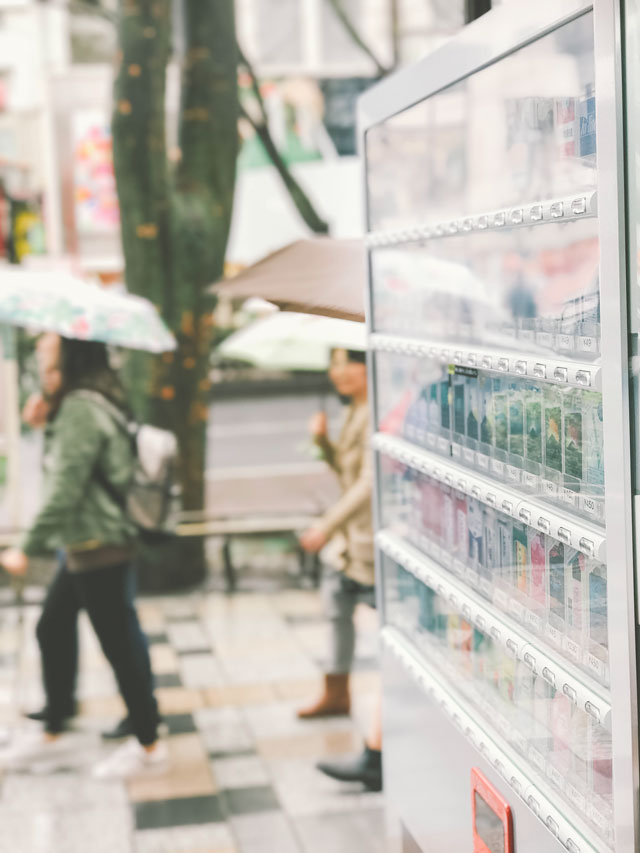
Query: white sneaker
{"points": [[32, 749], [132, 759]]}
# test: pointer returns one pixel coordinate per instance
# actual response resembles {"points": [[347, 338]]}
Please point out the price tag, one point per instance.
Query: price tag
{"points": [[550, 489], [598, 818], [513, 473], [596, 665], [517, 609], [530, 481], [556, 776], [537, 758], [469, 456], [527, 335], [486, 587], [471, 577], [431, 440], [568, 496], [565, 342], [443, 445], [589, 505], [456, 451], [533, 621], [572, 649], [483, 461], [576, 797], [501, 598], [545, 339], [497, 467], [587, 343], [553, 634]]}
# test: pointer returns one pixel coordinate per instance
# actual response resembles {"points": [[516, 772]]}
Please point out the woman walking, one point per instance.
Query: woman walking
{"points": [[88, 467]]}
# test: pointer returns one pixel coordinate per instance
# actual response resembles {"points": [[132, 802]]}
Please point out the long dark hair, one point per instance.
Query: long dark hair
{"points": [[85, 365]]}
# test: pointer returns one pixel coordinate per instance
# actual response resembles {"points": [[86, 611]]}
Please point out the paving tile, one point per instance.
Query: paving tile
{"points": [[280, 719], [189, 773], [303, 791], [178, 700], [204, 838], [227, 739], [157, 638], [200, 670], [66, 832], [168, 679], [180, 724], [261, 798], [187, 636], [239, 695], [312, 745], [151, 617], [267, 832], [183, 811], [240, 772], [343, 833], [163, 659], [61, 792], [102, 707]]}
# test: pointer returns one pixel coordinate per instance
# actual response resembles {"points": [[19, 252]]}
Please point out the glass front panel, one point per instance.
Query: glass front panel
{"points": [[558, 740]]}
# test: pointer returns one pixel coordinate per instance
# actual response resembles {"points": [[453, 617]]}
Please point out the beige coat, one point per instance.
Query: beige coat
{"points": [[349, 523]]}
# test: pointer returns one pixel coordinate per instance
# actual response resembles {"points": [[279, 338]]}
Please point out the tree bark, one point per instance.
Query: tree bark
{"points": [[175, 226]]}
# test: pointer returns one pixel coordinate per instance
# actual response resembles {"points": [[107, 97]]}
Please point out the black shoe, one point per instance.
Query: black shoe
{"points": [[42, 716], [366, 768], [125, 729]]}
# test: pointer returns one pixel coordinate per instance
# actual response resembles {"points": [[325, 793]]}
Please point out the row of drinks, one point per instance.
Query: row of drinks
{"points": [[554, 590], [561, 741], [543, 438]]}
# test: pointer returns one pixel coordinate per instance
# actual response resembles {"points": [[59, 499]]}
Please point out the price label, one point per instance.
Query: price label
{"points": [[576, 797], [572, 648], [545, 339], [537, 758], [589, 505], [483, 461], [501, 598], [598, 818], [471, 577], [533, 621], [443, 445], [431, 440], [456, 451], [565, 342], [469, 456], [553, 634], [497, 467], [513, 473], [568, 496], [587, 343], [486, 588], [530, 481], [517, 609], [555, 776], [594, 663], [550, 489], [458, 568], [527, 335]]}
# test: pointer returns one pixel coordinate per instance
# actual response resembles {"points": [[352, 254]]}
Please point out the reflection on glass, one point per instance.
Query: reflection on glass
{"points": [[551, 589], [562, 743], [534, 289], [520, 130]]}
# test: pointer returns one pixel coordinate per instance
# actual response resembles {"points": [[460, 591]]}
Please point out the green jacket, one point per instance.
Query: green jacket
{"points": [[83, 448]]}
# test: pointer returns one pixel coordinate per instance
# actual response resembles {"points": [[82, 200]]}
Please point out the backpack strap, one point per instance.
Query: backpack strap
{"points": [[125, 425]]}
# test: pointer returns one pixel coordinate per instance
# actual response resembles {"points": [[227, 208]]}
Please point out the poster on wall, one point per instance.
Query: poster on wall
{"points": [[94, 184]]}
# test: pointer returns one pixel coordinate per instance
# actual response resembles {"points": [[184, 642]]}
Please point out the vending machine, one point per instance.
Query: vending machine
{"points": [[499, 334]]}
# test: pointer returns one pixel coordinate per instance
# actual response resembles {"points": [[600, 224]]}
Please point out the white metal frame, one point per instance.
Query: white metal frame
{"points": [[492, 37]]}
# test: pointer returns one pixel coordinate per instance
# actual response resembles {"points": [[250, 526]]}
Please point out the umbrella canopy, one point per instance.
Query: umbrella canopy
{"points": [[318, 276], [289, 341], [59, 302]]}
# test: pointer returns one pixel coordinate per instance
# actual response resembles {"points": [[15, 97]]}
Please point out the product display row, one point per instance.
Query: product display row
{"points": [[560, 741], [487, 288], [555, 591], [542, 438]]}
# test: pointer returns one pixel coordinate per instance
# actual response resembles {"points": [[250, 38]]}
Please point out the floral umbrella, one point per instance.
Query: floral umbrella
{"points": [[59, 302]]}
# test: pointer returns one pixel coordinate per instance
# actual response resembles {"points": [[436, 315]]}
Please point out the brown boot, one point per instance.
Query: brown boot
{"points": [[334, 701]]}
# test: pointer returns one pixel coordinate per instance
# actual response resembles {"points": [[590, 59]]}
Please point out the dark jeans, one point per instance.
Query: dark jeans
{"points": [[108, 596]]}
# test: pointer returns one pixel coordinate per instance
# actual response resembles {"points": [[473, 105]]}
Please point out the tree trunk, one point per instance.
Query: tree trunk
{"points": [[175, 227]]}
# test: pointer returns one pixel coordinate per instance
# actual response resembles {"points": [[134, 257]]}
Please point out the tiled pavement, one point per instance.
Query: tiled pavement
{"points": [[230, 673]]}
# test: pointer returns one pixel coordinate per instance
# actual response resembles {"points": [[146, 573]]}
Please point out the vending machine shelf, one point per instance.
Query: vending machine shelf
{"points": [[576, 206], [582, 690], [529, 786], [569, 529], [564, 372]]}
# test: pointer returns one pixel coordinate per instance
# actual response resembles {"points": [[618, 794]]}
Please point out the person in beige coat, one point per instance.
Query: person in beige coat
{"points": [[345, 533]]}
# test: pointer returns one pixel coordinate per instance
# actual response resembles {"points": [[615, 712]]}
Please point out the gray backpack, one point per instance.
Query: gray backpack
{"points": [[153, 498]]}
